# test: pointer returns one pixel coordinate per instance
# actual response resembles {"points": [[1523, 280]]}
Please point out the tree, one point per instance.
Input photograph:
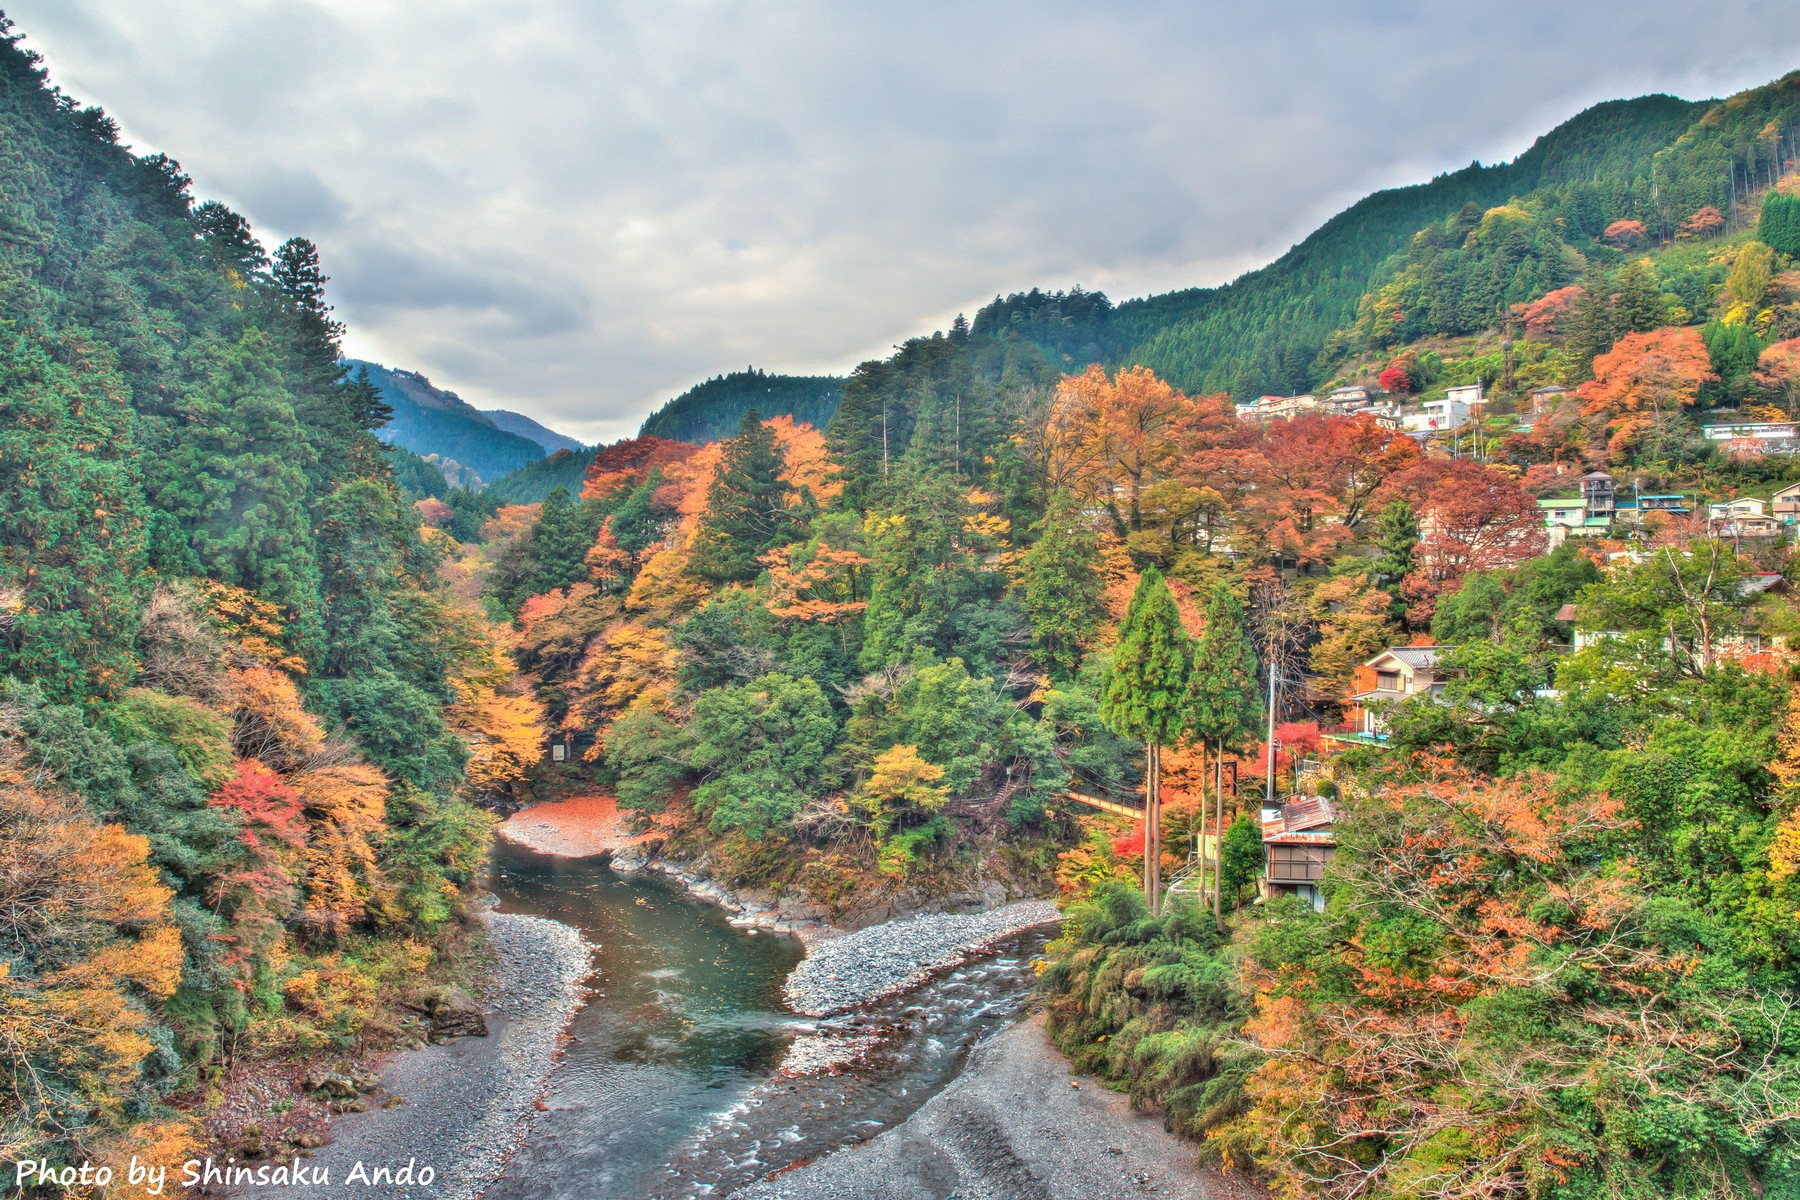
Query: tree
{"points": [[1475, 519], [1778, 373], [1223, 707], [1146, 697], [1062, 586], [1625, 234], [1641, 381], [901, 800], [1780, 223], [761, 749], [750, 507]]}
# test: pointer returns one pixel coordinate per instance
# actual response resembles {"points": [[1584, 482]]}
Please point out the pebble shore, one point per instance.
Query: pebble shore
{"points": [[462, 1106], [841, 973]]}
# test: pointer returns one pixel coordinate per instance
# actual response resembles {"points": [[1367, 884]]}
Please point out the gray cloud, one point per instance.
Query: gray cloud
{"points": [[576, 209]]}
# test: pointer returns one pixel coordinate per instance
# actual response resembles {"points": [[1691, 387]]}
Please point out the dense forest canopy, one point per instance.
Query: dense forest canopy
{"points": [[864, 642]]}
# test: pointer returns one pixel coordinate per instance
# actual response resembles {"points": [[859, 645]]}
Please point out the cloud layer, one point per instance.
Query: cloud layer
{"points": [[577, 209]]}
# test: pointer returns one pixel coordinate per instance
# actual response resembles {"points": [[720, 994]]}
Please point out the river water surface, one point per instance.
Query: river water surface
{"points": [[671, 1085]]}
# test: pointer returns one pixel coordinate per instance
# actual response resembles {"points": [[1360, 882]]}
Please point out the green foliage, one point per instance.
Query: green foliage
{"points": [[534, 481], [198, 737], [1520, 604], [761, 748], [1152, 1004], [1063, 586], [1779, 227], [1223, 705], [1146, 696], [710, 411], [750, 508], [1240, 856], [648, 754]]}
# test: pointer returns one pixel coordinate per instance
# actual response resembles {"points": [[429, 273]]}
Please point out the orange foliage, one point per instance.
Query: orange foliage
{"points": [[815, 584], [628, 463], [256, 625], [1646, 375], [1471, 518], [511, 521], [344, 807], [87, 927], [268, 722], [631, 662], [1549, 315], [433, 512], [664, 585], [807, 466]]}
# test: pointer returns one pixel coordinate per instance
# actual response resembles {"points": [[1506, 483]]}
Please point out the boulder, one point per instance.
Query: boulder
{"points": [[453, 1013]]}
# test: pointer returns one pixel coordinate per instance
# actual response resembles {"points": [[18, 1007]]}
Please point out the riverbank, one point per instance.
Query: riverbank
{"points": [[460, 1107], [1012, 1126]]}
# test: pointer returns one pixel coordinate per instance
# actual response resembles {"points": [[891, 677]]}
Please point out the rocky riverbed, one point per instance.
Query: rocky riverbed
{"points": [[845, 972], [458, 1108], [1013, 1125]]}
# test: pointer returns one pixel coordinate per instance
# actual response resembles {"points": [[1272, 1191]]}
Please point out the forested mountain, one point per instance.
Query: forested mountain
{"points": [[711, 410], [524, 426], [428, 420], [564, 469], [244, 729]]}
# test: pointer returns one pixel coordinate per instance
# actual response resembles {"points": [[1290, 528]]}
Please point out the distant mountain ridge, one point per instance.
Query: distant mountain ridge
{"points": [[430, 420], [525, 427], [711, 410]]}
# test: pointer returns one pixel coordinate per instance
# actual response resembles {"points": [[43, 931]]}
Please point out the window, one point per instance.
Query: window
{"points": [[1387, 681]]}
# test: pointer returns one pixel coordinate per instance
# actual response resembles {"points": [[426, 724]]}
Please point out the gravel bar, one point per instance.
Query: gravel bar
{"points": [[842, 973], [464, 1104], [1011, 1127]]}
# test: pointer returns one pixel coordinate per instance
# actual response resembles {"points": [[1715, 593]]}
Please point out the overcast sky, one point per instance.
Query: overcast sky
{"points": [[577, 209]]}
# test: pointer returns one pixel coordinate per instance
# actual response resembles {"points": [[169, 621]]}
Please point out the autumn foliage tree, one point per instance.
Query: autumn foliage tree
{"points": [[1642, 384], [1471, 518]]}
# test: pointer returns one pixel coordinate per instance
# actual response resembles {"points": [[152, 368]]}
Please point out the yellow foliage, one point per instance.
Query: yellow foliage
{"points": [[256, 625], [344, 807], [86, 923], [268, 720], [664, 586]]}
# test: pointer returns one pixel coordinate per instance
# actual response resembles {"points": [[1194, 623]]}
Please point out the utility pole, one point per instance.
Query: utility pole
{"points": [[1269, 783]]}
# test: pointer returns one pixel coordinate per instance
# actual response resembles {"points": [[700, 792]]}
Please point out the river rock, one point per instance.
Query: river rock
{"points": [[453, 1013]]}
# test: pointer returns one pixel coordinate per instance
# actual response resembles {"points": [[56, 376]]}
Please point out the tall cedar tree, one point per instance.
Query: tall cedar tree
{"points": [[1063, 586], [1222, 696], [1146, 697], [748, 508]]}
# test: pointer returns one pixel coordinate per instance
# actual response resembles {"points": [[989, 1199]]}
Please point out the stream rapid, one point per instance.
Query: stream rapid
{"points": [[672, 1083]]}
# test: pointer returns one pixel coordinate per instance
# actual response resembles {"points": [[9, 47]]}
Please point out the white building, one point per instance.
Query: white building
{"points": [[1437, 416]]}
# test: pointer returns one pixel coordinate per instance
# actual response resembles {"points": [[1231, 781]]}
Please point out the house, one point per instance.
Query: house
{"points": [[1784, 505], [1356, 395], [1436, 416], [1744, 517], [1397, 673], [1597, 488], [1468, 395], [1569, 516], [1755, 438], [1298, 843], [1276, 408]]}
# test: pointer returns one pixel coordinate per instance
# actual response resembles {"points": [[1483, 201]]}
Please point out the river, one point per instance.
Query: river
{"points": [[671, 1084]]}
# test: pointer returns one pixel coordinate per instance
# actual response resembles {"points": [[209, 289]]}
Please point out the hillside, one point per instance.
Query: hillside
{"points": [[525, 427], [238, 709], [430, 420], [711, 410], [1263, 331], [532, 482]]}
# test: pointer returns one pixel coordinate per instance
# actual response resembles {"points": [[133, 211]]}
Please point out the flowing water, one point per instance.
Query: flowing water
{"points": [[671, 1085]]}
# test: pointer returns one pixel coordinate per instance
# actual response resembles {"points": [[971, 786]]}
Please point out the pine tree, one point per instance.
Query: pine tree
{"points": [[1146, 697], [1062, 586], [1223, 708], [1396, 535], [749, 508]]}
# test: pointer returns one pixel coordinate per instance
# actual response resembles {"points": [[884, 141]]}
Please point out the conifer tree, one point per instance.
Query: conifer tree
{"points": [[1062, 586], [749, 508], [1222, 694], [1146, 697]]}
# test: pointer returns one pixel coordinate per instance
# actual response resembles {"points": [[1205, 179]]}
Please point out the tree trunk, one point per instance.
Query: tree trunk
{"points": [[1219, 842], [1201, 844], [1149, 825], [1154, 832]]}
